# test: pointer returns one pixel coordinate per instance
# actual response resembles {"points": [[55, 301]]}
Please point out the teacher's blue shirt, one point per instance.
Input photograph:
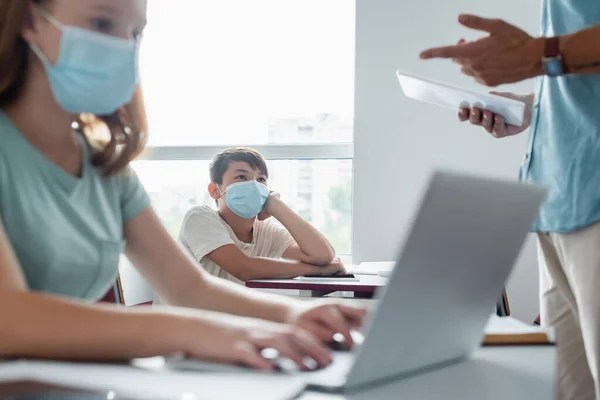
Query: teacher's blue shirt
{"points": [[564, 144]]}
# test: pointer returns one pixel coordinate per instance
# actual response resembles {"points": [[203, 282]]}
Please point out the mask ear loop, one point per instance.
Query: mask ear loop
{"points": [[221, 193], [34, 47], [49, 17]]}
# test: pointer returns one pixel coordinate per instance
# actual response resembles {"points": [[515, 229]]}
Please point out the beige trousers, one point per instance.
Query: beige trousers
{"points": [[570, 302]]}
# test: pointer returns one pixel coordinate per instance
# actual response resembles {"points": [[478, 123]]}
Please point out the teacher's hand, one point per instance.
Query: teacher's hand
{"points": [[494, 123], [507, 55]]}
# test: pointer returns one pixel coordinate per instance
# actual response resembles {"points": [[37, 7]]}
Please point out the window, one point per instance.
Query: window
{"points": [[276, 75]]}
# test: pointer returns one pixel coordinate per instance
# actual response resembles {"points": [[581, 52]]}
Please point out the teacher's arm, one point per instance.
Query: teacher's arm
{"points": [[509, 54], [581, 51]]}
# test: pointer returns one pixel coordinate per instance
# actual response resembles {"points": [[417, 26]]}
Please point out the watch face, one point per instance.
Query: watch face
{"points": [[553, 67]]}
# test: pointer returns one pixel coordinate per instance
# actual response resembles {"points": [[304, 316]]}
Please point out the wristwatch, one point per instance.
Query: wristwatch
{"points": [[552, 60]]}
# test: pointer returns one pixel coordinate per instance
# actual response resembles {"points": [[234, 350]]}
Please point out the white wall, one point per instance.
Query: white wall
{"points": [[398, 140]]}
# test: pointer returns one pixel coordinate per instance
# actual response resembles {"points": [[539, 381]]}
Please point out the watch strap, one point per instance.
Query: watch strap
{"points": [[551, 47]]}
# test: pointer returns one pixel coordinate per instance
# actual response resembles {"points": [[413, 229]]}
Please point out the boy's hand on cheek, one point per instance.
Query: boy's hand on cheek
{"points": [[270, 205]]}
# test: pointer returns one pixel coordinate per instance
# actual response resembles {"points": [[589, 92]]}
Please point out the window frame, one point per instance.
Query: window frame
{"points": [[315, 151]]}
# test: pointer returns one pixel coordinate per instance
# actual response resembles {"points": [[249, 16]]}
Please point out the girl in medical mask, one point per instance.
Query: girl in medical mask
{"points": [[71, 120]]}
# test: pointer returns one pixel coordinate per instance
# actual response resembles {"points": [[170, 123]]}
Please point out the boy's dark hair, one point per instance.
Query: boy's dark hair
{"points": [[221, 162]]}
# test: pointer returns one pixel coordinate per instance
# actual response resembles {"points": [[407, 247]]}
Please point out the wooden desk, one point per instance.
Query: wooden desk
{"points": [[364, 288]]}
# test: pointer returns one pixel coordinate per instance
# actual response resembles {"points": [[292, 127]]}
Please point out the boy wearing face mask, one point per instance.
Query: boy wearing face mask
{"points": [[242, 239]]}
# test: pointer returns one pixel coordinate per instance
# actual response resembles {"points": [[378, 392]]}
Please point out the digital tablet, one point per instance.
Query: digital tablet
{"points": [[451, 97], [329, 278]]}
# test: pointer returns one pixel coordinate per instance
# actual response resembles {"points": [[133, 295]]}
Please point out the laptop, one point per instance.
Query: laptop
{"points": [[455, 261]]}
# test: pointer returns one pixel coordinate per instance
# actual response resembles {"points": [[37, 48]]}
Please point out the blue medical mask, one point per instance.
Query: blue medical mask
{"points": [[94, 73], [246, 199]]}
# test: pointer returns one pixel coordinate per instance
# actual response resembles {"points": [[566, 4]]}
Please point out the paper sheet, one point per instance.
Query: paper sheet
{"points": [[453, 98], [372, 268], [137, 383], [507, 325]]}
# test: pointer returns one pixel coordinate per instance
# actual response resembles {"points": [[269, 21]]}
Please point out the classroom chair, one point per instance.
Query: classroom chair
{"points": [[502, 307], [114, 294]]}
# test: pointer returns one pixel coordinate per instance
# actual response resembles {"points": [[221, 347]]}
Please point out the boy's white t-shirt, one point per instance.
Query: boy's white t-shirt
{"points": [[203, 231]]}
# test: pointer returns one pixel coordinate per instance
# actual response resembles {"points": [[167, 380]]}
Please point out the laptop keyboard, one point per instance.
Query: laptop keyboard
{"points": [[284, 365], [342, 360]]}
